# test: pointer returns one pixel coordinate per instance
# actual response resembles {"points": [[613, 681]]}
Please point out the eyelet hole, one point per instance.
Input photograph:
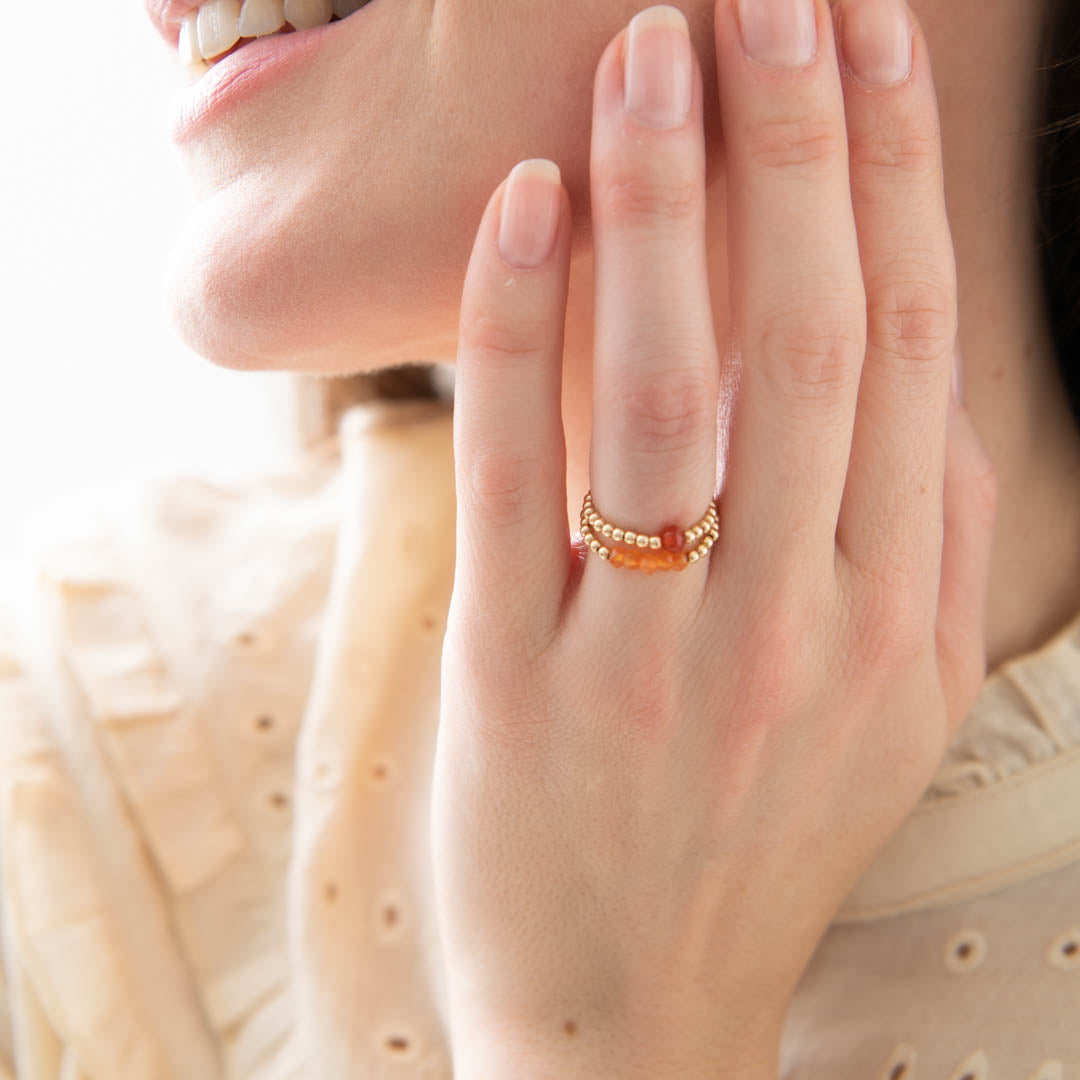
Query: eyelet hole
{"points": [[1064, 952], [900, 1061], [965, 951]]}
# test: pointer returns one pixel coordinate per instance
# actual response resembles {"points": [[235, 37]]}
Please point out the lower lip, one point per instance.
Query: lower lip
{"points": [[242, 73]]}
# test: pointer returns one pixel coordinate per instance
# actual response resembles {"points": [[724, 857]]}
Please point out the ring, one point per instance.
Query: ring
{"points": [[644, 551]]}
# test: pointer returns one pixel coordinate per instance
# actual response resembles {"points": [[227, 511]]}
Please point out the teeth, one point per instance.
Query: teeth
{"points": [[259, 17], [219, 24], [217, 27], [304, 14], [189, 40]]}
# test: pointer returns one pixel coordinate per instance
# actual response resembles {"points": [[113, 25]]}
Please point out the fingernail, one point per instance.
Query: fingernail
{"points": [[780, 33], [876, 40], [529, 220], [659, 76], [958, 375]]}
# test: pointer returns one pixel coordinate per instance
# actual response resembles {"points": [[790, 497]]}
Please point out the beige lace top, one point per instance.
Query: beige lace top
{"points": [[218, 703]]}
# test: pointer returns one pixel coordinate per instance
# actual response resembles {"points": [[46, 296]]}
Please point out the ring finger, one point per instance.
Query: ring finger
{"points": [[656, 369]]}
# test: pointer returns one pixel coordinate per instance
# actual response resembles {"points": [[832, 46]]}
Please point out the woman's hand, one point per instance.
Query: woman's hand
{"points": [[652, 793]]}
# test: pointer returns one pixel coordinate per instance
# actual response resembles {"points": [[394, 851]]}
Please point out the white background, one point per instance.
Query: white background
{"points": [[96, 382]]}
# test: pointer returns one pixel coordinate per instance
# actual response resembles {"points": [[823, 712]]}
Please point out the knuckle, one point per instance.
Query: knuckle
{"points": [[500, 487], [913, 319], [523, 335], [913, 149], [892, 627], [782, 654], [500, 668], [653, 692], [801, 143], [814, 355], [641, 198], [664, 411]]}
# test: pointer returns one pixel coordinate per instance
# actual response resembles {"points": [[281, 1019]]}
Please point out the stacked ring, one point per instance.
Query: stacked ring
{"points": [[643, 551]]}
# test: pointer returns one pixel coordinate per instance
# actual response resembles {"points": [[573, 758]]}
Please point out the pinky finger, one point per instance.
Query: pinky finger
{"points": [[969, 513], [513, 547]]}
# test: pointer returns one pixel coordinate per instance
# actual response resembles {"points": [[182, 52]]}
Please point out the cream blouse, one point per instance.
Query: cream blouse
{"points": [[218, 706]]}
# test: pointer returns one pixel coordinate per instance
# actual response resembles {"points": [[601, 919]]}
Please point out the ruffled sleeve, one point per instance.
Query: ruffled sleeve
{"points": [[159, 644], [82, 913]]}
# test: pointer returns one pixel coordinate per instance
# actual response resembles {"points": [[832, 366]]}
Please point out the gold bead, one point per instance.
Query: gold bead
{"points": [[604, 553], [692, 557], [629, 537], [617, 534], [606, 530], [655, 542], [594, 544], [642, 541]]}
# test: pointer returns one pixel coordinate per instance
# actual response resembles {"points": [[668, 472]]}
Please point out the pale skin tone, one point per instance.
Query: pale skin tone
{"points": [[699, 737], [354, 235]]}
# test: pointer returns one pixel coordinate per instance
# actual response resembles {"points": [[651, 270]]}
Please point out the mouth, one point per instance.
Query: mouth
{"points": [[219, 28]]}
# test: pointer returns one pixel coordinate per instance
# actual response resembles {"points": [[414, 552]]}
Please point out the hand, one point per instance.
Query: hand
{"points": [[652, 792]]}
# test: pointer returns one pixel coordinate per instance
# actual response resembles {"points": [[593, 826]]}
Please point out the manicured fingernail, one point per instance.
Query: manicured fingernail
{"points": [[875, 36], [780, 33], [958, 375], [529, 220], [659, 76]]}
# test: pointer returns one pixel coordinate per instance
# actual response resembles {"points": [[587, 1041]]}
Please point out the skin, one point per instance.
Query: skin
{"points": [[328, 234]]}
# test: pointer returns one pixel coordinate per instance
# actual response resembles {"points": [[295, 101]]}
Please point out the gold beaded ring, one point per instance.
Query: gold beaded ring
{"points": [[663, 552]]}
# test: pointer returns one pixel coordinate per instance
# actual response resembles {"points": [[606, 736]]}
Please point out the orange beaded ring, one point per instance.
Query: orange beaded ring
{"points": [[644, 552]]}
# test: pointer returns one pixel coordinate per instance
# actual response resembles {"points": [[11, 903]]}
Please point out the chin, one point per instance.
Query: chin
{"points": [[278, 298]]}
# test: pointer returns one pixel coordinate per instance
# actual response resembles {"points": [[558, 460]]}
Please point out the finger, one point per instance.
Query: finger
{"points": [[513, 548], [656, 367], [798, 308], [890, 522], [970, 505]]}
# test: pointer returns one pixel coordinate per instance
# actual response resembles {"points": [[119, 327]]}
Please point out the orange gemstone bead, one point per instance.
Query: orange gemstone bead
{"points": [[672, 538]]}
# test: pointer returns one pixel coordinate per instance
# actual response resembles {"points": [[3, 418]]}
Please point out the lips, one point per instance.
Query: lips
{"points": [[233, 78]]}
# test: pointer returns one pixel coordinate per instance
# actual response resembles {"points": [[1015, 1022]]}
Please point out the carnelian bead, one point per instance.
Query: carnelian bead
{"points": [[617, 558], [632, 560], [672, 538]]}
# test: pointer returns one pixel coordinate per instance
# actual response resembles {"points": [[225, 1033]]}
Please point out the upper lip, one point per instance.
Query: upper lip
{"points": [[167, 15]]}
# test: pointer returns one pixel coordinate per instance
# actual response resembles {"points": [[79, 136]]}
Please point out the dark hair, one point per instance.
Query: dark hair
{"points": [[1057, 146], [1058, 188]]}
